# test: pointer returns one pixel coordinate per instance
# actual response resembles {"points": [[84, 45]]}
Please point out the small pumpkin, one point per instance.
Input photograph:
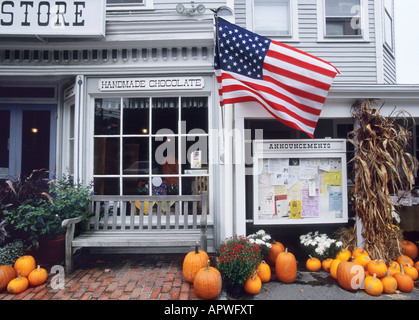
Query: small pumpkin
{"points": [[18, 285], [378, 267], [350, 275], [417, 265], [389, 284], [404, 259], [7, 274], [264, 272], [344, 254], [373, 285], [253, 284], [276, 248], [194, 261], [357, 252], [207, 282], [326, 264], [24, 264], [404, 282], [334, 268], [313, 264], [286, 267], [363, 260], [37, 276], [409, 249], [411, 271]]}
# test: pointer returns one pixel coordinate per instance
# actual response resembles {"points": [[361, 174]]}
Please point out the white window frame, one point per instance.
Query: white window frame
{"points": [[294, 32], [321, 25], [141, 5], [388, 13]]}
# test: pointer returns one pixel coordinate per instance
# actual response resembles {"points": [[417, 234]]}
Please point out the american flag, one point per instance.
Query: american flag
{"points": [[292, 85]]}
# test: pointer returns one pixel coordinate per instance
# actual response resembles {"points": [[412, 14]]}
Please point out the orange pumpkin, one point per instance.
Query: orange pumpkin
{"points": [[326, 264], [38, 276], [18, 285], [350, 275], [7, 274], [394, 267], [378, 267], [409, 249], [334, 268], [357, 252], [417, 265], [24, 264], [286, 267], [253, 284], [404, 282], [313, 264], [389, 284], [344, 254], [411, 271], [276, 248], [363, 260], [264, 272], [404, 259], [373, 285], [207, 282], [194, 261]]}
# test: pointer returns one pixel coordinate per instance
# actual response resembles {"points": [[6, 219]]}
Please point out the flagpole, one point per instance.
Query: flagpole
{"points": [[217, 45]]}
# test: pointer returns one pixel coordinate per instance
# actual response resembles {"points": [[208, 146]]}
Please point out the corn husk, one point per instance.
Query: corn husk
{"points": [[382, 167]]}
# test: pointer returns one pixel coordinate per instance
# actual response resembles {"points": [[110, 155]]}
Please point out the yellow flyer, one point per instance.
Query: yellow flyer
{"points": [[295, 208]]}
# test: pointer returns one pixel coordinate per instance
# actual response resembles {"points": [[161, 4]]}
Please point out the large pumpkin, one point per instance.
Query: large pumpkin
{"points": [[18, 285], [409, 249], [286, 267], [276, 248], [24, 264], [194, 261], [350, 275], [7, 274], [207, 282]]}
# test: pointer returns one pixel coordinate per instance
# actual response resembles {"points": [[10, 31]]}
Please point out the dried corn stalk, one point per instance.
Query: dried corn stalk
{"points": [[381, 167]]}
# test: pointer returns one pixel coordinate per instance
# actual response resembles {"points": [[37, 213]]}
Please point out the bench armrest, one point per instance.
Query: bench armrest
{"points": [[68, 222]]}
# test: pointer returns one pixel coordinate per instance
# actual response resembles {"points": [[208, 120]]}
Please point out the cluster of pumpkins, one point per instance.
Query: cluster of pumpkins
{"points": [[357, 270], [207, 280], [23, 274]]}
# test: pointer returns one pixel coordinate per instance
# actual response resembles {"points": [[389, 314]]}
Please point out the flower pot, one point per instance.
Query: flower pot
{"points": [[52, 251]]}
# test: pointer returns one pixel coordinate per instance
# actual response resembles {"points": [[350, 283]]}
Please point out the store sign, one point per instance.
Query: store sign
{"points": [[53, 18], [135, 84], [326, 145]]}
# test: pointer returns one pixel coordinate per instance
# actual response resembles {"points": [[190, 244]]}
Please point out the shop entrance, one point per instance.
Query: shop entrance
{"points": [[27, 139]]}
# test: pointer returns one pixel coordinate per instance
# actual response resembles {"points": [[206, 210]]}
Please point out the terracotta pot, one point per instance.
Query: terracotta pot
{"points": [[52, 251]]}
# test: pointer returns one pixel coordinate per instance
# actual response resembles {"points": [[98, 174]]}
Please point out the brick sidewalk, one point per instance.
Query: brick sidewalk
{"points": [[113, 277]]}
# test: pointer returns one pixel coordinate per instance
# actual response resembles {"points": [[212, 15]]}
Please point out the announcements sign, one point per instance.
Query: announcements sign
{"points": [[300, 182], [52, 18]]}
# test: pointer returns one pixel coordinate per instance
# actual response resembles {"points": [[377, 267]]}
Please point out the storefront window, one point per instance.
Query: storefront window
{"points": [[150, 146]]}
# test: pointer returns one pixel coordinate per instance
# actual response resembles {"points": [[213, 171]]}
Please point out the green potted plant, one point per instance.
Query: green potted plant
{"points": [[38, 219], [237, 259]]}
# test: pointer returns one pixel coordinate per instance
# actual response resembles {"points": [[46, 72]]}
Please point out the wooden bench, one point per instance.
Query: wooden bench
{"points": [[151, 224]]}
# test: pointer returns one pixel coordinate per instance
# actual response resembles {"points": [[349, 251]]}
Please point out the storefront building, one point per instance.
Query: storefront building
{"points": [[110, 92]]}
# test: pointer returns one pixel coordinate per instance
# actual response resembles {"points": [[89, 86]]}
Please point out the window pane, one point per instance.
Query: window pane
{"points": [[194, 185], [192, 144], [342, 27], [165, 114], [107, 116], [136, 159], [165, 150], [347, 8], [136, 116], [124, 1], [195, 113], [106, 186], [4, 145], [272, 17], [388, 22], [135, 186], [106, 156]]}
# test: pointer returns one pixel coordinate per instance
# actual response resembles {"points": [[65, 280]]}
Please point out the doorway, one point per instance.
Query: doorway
{"points": [[27, 139]]}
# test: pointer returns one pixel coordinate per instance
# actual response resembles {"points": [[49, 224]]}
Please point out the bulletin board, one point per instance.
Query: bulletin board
{"points": [[300, 181]]}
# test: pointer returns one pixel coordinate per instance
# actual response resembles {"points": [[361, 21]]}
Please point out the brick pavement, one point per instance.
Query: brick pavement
{"points": [[116, 277]]}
